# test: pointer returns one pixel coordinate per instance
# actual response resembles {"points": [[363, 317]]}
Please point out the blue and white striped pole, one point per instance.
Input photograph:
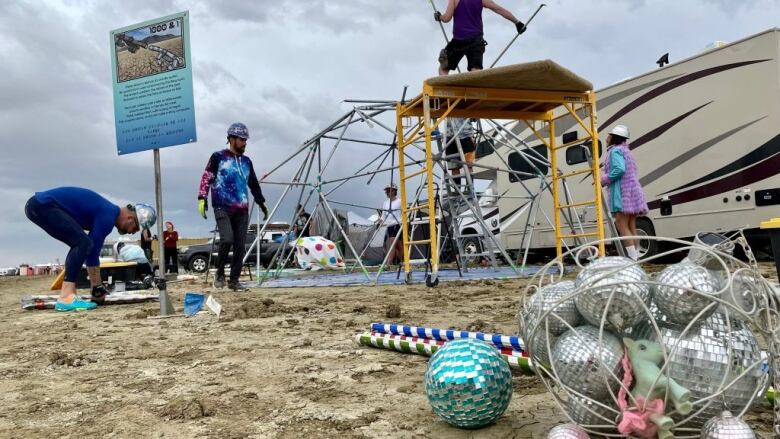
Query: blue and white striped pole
{"points": [[497, 340]]}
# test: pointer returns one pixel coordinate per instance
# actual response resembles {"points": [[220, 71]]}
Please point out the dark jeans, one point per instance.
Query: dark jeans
{"points": [[55, 221], [172, 259], [232, 234], [147, 251]]}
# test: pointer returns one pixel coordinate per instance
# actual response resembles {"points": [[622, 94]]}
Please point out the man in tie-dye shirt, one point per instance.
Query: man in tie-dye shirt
{"points": [[230, 176]]}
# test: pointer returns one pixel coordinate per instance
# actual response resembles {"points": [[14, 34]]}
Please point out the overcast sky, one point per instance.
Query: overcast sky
{"points": [[282, 67]]}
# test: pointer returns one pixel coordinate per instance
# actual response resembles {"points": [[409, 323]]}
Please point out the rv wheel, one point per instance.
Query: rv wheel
{"points": [[646, 247]]}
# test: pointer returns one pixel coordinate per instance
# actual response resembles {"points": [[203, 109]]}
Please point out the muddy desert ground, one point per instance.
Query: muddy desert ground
{"points": [[280, 363]]}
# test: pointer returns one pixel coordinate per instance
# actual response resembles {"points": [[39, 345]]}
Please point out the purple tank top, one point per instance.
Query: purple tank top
{"points": [[468, 20]]}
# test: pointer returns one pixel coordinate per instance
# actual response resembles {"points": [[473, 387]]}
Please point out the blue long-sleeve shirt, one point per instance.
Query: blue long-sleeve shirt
{"points": [[93, 213]]}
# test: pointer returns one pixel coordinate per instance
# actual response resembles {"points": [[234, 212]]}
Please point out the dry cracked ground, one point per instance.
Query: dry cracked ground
{"points": [[279, 363]]}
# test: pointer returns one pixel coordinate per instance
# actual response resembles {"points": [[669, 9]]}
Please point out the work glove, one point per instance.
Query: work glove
{"points": [[437, 16], [203, 206], [264, 208], [520, 27], [99, 293]]}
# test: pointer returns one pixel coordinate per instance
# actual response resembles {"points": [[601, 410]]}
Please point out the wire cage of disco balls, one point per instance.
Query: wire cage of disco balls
{"points": [[645, 349]]}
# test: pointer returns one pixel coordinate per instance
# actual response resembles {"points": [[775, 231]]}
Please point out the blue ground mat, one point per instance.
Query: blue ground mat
{"points": [[393, 278]]}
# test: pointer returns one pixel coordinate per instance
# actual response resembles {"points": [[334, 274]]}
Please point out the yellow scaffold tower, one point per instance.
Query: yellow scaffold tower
{"points": [[536, 93]]}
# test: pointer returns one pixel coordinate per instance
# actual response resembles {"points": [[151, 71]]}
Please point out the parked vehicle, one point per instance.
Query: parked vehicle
{"points": [[468, 225], [705, 134], [11, 271], [107, 253], [195, 258]]}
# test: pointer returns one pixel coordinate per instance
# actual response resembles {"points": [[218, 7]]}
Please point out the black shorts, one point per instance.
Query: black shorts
{"points": [[467, 144], [392, 231], [473, 49]]}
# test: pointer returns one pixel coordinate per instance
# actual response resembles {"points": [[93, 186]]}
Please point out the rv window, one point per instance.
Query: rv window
{"points": [[529, 164], [485, 148], [569, 137], [578, 153]]}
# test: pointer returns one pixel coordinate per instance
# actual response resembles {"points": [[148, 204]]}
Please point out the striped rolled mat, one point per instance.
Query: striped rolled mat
{"points": [[504, 351], [497, 340], [427, 347]]}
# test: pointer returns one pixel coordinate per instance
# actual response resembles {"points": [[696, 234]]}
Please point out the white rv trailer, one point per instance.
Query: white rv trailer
{"points": [[705, 132]]}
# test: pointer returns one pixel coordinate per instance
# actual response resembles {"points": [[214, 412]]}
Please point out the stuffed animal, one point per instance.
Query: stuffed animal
{"points": [[645, 357]]}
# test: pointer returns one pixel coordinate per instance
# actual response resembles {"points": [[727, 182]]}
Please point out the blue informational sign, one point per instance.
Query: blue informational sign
{"points": [[152, 76]]}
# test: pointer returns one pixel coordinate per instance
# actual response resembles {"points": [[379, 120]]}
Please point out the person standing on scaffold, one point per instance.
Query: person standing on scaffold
{"points": [[626, 199], [467, 32]]}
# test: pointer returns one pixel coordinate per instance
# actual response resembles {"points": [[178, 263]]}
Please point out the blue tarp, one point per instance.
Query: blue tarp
{"points": [[393, 278]]}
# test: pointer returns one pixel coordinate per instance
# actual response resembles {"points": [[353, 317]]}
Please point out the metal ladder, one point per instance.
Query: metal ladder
{"points": [[426, 168], [458, 202], [559, 179], [442, 228]]}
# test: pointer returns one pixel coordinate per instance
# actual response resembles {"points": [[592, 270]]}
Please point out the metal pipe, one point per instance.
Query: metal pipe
{"points": [[354, 205], [286, 183], [338, 142], [308, 143], [367, 101], [392, 168], [285, 240], [344, 234], [369, 142], [517, 35], [273, 211], [441, 26], [362, 168]]}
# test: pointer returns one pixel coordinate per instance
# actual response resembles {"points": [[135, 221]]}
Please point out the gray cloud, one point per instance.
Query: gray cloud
{"points": [[283, 67]]}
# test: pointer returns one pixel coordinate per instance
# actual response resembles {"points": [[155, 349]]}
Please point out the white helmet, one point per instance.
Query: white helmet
{"points": [[621, 130]]}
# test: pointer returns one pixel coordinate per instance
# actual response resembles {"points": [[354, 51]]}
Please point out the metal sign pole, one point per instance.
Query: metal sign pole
{"points": [[166, 308]]}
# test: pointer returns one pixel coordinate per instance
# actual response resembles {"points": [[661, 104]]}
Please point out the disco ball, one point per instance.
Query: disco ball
{"points": [[618, 281], [684, 290], [706, 360], [567, 431], [547, 299], [741, 290], [537, 348], [595, 417], [535, 330], [586, 366], [715, 357], [468, 384], [727, 426]]}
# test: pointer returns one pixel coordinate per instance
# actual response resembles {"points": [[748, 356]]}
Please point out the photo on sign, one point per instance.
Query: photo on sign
{"points": [[149, 50]]}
